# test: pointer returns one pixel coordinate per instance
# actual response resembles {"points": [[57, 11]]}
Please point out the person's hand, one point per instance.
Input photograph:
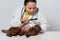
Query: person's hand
{"points": [[26, 28], [24, 20]]}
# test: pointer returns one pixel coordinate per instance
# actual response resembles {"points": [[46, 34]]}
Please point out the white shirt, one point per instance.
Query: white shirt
{"points": [[15, 21]]}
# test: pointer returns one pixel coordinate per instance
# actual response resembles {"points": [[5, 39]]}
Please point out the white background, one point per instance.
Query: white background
{"points": [[50, 8]]}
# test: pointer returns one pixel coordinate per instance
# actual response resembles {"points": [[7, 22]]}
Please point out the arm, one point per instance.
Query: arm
{"points": [[42, 21]]}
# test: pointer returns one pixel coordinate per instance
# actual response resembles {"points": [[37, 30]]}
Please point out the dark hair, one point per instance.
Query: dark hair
{"points": [[26, 1]]}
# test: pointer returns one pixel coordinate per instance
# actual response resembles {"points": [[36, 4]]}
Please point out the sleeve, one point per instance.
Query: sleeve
{"points": [[15, 20], [42, 21], [32, 24]]}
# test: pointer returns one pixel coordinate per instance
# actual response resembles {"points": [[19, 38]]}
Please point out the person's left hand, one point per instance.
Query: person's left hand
{"points": [[26, 28]]}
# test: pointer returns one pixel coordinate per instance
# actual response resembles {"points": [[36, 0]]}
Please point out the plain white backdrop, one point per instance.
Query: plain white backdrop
{"points": [[50, 8]]}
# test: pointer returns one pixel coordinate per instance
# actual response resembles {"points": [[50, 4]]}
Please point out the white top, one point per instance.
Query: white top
{"points": [[15, 21]]}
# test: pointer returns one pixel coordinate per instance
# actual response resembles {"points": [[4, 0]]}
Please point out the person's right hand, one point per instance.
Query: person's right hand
{"points": [[25, 20]]}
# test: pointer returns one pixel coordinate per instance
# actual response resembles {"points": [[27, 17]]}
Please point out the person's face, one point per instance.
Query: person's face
{"points": [[30, 7]]}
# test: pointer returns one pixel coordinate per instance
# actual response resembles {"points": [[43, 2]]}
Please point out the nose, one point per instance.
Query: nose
{"points": [[32, 10]]}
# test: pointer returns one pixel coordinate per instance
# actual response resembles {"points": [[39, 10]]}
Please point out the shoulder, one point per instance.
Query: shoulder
{"points": [[18, 11], [40, 12]]}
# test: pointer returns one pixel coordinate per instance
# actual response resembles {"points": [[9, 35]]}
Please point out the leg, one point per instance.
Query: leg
{"points": [[4, 31], [21, 32], [13, 31], [33, 31]]}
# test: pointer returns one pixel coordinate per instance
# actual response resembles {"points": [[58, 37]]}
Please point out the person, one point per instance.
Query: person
{"points": [[27, 16]]}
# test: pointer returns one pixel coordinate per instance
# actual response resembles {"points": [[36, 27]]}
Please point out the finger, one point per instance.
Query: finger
{"points": [[27, 29], [26, 21], [23, 28]]}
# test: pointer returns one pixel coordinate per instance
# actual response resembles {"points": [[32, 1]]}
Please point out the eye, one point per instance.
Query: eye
{"points": [[34, 8], [29, 8]]}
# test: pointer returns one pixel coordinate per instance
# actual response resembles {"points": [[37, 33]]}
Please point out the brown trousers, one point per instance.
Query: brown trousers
{"points": [[13, 31]]}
